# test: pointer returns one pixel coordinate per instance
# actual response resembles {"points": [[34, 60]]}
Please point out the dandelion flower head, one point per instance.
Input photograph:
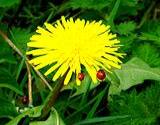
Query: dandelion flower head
{"points": [[72, 44]]}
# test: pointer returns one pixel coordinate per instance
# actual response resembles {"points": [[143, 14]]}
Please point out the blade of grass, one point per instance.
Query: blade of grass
{"points": [[37, 85], [84, 106], [113, 14], [24, 80], [85, 94], [97, 102], [20, 68], [101, 119]]}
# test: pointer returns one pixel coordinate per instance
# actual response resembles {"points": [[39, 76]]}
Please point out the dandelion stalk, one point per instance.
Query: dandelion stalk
{"points": [[50, 101]]}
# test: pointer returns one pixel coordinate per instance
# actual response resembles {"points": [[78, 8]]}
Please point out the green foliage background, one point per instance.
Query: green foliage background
{"points": [[130, 96]]}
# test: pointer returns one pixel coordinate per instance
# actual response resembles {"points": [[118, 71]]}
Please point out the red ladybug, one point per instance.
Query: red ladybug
{"points": [[81, 76], [101, 75], [24, 99]]}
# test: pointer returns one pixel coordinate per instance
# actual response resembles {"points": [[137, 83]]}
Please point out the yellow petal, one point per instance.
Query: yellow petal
{"points": [[63, 68], [68, 77]]}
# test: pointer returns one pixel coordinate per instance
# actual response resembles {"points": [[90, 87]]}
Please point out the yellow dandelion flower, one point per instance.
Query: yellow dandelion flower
{"points": [[69, 45]]}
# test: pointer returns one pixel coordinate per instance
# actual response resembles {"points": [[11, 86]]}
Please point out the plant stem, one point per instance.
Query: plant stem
{"points": [[23, 56], [51, 98], [29, 85]]}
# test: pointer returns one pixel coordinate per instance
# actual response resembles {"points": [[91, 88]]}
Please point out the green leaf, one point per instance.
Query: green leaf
{"points": [[53, 119], [148, 53], [20, 37], [35, 112], [143, 108], [8, 3], [101, 120], [89, 4], [8, 81], [134, 72], [127, 41], [150, 37], [130, 3], [131, 7], [151, 32], [7, 110], [126, 27]]}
